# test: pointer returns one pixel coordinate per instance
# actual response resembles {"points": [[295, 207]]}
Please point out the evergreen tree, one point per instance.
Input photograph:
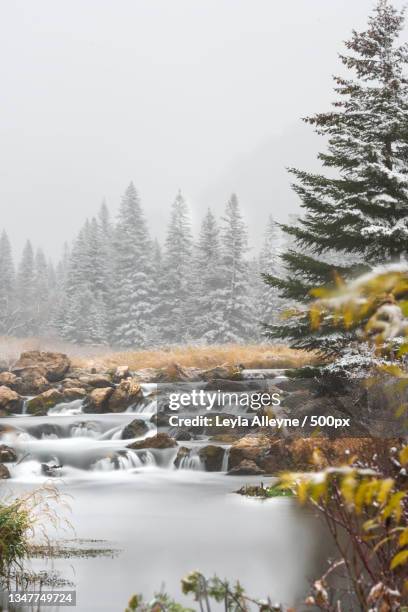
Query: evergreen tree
{"points": [[41, 293], [106, 256], [26, 291], [133, 275], [209, 291], [9, 315], [268, 302], [360, 209], [239, 319], [174, 313], [73, 317], [58, 308]]}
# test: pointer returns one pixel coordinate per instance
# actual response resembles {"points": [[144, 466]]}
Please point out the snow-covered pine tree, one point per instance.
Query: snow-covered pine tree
{"points": [[175, 286], [25, 291], [59, 301], [106, 256], [73, 318], [9, 312], [239, 319], [208, 282], [41, 293], [268, 302], [157, 277], [359, 208], [134, 283]]}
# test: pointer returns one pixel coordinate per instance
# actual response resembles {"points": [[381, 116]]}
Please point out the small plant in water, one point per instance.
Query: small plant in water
{"points": [[206, 591]]}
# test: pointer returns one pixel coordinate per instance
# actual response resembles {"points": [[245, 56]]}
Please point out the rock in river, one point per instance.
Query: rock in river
{"points": [[212, 457], [10, 401], [98, 401], [53, 366], [246, 468], [160, 441], [4, 473], [39, 406], [7, 454], [127, 393], [8, 379], [135, 429]]}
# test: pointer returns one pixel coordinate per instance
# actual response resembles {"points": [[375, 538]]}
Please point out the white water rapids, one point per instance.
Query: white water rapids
{"points": [[166, 521]]}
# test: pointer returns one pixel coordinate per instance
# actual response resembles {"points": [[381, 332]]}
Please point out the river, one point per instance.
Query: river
{"points": [[163, 521]]}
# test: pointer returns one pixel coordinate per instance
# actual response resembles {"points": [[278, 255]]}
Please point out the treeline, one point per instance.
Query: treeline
{"points": [[116, 285]]}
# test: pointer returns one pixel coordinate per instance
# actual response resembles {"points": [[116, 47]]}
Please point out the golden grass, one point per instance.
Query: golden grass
{"points": [[250, 356]]}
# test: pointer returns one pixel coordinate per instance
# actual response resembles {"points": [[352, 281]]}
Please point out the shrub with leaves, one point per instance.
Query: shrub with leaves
{"points": [[206, 592], [367, 516], [21, 520]]}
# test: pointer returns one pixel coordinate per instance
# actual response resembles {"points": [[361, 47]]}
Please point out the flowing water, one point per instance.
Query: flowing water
{"points": [[165, 521]]}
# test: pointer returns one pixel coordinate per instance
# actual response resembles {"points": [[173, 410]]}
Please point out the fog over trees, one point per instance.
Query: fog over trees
{"points": [[115, 284]]}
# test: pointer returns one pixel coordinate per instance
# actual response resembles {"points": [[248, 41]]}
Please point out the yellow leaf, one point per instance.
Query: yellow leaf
{"points": [[404, 455], [403, 304], [403, 350], [385, 487], [348, 484], [314, 314], [302, 491], [370, 525], [403, 539], [399, 559]]}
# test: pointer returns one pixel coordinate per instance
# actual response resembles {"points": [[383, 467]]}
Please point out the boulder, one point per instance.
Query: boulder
{"points": [[53, 366], [182, 453], [39, 406], [160, 419], [250, 447], [71, 383], [51, 470], [246, 468], [183, 436], [135, 429], [121, 373], [97, 401], [4, 473], [73, 393], [96, 381], [212, 457], [225, 438], [10, 401], [8, 379], [46, 430], [127, 393], [7, 454], [159, 441], [31, 382]]}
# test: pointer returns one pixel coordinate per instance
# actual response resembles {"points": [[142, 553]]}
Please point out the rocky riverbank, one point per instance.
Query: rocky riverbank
{"points": [[124, 419]]}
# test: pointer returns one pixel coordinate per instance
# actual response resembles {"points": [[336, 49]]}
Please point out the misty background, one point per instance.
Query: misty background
{"points": [[202, 95]]}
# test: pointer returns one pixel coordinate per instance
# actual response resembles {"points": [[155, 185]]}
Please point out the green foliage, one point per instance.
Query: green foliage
{"points": [[204, 591], [21, 519], [14, 524], [160, 603], [358, 217], [372, 511]]}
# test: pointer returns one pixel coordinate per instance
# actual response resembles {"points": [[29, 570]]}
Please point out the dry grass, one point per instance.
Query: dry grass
{"points": [[251, 356]]}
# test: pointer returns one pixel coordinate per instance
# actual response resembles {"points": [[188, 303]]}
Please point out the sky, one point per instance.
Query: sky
{"points": [[205, 96]]}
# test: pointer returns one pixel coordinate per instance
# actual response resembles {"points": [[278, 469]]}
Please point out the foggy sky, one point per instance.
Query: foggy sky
{"points": [[202, 95]]}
